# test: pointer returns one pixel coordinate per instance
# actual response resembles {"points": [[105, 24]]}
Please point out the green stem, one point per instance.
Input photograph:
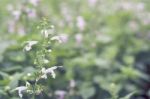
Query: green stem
{"points": [[33, 92]]}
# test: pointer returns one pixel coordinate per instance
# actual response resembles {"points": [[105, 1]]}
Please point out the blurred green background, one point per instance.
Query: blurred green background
{"points": [[105, 42]]}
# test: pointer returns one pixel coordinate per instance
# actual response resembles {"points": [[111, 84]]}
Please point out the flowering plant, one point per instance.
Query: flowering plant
{"points": [[41, 59]]}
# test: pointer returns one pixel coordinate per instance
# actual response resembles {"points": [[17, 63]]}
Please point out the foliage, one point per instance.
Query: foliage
{"points": [[104, 48]]}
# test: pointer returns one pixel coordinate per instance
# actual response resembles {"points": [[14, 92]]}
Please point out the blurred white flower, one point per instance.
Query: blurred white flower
{"points": [[140, 6], [29, 74], [136, 7], [92, 2], [72, 83], [64, 38], [66, 13], [45, 33], [34, 2], [16, 14], [29, 45], [56, 38], [46, 61], [60, 93], [49, 50], [49, 71], [20, 90], [80, 23], [78, 38]]}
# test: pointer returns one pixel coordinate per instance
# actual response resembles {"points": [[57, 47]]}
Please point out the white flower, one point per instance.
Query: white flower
{"points": [[57, 38], [61, 94], [46, 61], [49, 50], [20, 90], [45, 33], [29, 45], [34, 2], [49, 71], [16, 14], [80, 23], [92, 2], [63, 38], [72, 83], [79, 38], [28, 74]]}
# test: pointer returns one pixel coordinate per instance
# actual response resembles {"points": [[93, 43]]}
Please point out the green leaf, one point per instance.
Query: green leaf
{"points": [[5, 75], [128, 96], [87, 91]]}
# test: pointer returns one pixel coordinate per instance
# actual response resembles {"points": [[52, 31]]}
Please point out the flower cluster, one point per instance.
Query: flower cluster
{"points": [[49, 71], [20, 14]]}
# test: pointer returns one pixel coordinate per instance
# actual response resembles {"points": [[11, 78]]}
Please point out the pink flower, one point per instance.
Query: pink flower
{"points": [[92, 2], [80, 23], [31, 13], [61, 94]]}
